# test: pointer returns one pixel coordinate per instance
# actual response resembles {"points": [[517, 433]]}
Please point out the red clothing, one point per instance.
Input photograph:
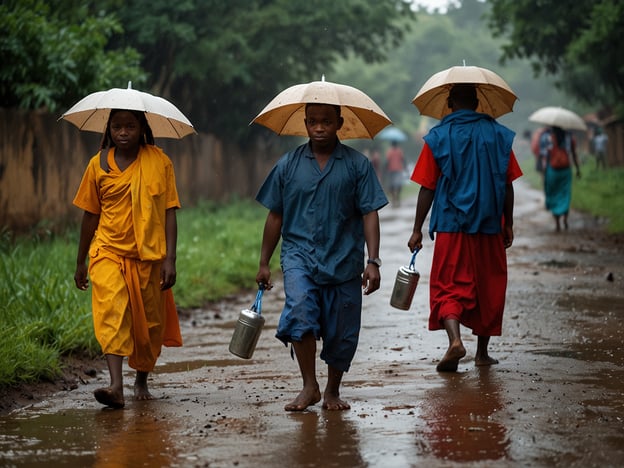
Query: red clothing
{"points": [[426, 171], [468, 282], [468, 279], [395, 161]]}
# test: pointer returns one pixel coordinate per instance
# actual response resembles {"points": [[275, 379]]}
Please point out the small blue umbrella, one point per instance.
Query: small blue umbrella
{"points": [[392, 133]]}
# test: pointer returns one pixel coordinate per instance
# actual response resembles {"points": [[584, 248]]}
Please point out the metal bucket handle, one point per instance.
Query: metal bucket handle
{"points": [[257, 305], [411, 265]]}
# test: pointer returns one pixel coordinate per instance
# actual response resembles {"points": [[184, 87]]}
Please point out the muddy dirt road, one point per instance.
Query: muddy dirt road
{"points": [[555, 399]]}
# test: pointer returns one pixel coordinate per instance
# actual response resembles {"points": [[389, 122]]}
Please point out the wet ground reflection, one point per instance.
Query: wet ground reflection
{"points": [[461, 418], [326, 439], [98, 438]]}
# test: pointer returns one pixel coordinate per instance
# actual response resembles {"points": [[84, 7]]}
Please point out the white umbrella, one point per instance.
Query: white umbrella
{"points": [[91, 112], [495, 95], [285, 114], [558, 117]]}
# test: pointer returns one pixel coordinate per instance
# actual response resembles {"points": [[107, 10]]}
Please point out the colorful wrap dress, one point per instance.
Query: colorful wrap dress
{"points": [[468, 161], [131, 315]]}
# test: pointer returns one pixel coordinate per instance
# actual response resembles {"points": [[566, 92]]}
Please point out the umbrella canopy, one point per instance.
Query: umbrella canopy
{"points": [[495, 96], [91, 112], [558, 117], [392, 133], [285, 114]]}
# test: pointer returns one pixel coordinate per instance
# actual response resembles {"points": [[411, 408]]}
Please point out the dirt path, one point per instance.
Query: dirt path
{"points": [[555, 399]]}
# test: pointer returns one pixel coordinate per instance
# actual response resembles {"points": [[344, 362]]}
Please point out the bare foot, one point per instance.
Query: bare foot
{"points": [[334, 403], [307, 397], [108, 397], [485, 361], [141, 392], [450, 361]]}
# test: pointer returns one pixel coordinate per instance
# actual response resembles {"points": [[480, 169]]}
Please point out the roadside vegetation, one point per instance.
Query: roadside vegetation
{"points": [[45, 317], [597, 192]]}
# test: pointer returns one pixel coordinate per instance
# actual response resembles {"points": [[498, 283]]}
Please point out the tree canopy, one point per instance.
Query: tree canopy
{"points": [[219, 61], [580, 43], [54, 53]]}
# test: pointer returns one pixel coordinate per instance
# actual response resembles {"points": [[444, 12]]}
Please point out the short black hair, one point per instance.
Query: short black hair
{"points": [[464, 95], [335, 106]]}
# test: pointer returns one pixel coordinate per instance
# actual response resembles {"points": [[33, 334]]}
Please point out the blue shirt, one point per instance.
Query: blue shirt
{"points": [[472, 151], [322, 211]]}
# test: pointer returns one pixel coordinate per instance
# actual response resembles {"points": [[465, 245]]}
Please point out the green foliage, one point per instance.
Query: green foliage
{"points": [[54, 55], [579, 43], [221, 62], [44, 315], [440, 42], [218, 251], [597, 192]]}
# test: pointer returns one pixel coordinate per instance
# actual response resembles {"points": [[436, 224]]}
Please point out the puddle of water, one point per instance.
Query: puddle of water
{"points": [[86, 438]]}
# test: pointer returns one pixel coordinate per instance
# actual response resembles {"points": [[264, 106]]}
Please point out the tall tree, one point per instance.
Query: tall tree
{"points": [[222, 61], [53, 53], [579, 42]]}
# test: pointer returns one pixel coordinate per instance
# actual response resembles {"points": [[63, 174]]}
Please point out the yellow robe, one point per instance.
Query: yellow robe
{"points": [[131, 315]]}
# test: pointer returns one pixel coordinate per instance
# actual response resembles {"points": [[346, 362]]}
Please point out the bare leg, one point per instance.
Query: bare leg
{"points": [[305, 350], [557, 224], [456, 349], [331, 396], [565, 221], [482, 358], [140, 387], [113, 395]]}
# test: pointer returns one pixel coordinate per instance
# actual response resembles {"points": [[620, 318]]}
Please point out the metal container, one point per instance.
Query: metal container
{"points": [[246, 333], [405, 286]]}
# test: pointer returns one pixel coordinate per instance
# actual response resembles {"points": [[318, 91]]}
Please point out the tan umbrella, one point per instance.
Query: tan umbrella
{"points": [[495, 96], [558, 117], [285, 114], [91, 112]]}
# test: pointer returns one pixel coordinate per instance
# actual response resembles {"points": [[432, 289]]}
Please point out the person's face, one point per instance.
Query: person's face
{"points": [[322, 123], [125, 130]]}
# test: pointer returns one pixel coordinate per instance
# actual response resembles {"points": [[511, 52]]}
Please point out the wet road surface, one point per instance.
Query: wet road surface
{"points": [[555, 399]]}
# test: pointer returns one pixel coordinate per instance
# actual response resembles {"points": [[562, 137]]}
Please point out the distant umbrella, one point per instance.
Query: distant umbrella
{"points": [[392, 133], [558, 117]]}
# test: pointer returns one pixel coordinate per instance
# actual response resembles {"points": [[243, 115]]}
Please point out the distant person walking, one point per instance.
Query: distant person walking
{"points": [[558, 174], [129, 235], [395, 171], [600, 142], [465, 171]]}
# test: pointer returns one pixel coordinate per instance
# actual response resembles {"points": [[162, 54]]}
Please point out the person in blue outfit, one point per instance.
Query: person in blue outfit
{"points": [[323, 199]]}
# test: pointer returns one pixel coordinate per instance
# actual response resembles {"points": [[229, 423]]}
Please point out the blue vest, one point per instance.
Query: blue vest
{"points": [[472, 151]]}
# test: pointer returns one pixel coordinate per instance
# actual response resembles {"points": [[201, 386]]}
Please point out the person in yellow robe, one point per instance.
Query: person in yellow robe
{"points": [[129, 233]]}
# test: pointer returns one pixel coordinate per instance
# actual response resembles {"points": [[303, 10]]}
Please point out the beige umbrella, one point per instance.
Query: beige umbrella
{"points": [[495, 96], [558, 117], [285, 114], [91, 112]]}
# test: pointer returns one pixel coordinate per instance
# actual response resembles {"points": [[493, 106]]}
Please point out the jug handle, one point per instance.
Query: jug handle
{"points": [[411, 265], [257, 305]]}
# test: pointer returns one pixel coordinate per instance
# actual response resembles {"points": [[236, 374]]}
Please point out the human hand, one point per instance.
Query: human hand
{"points": [[167, 274], [415, 241], [80, 277], [263, 277], [371, 279]]}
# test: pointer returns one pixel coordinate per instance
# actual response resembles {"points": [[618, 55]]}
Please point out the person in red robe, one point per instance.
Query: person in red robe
{"points": [[465, 171]]}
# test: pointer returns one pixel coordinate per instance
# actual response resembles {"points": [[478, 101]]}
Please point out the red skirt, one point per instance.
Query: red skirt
{"points": [[468, 282]]}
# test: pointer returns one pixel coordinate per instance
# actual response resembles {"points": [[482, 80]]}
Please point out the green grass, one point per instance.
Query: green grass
{"points": [[44, 316], [598, 191]]}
